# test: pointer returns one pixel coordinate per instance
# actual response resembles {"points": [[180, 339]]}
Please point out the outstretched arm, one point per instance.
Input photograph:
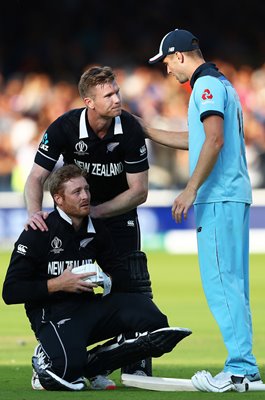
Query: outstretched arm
{"points": [[174, 139]]}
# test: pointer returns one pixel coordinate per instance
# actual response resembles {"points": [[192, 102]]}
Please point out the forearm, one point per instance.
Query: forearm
{"points": [[176, 140], [120, 204], [33, 195], [54, 285], [207, 159]]}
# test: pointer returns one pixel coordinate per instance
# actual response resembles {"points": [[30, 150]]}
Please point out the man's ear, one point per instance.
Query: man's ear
{"points": [[89, 103], [180, 56], [58, 199]]}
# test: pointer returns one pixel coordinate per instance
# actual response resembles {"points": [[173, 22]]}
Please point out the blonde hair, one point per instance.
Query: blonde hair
{"points": [[62, 175], [94, 76]]}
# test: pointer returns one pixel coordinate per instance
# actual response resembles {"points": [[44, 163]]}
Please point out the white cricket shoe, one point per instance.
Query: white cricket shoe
{"points": [[102, 382], [224, 381], [35, 382], [253, 378]]}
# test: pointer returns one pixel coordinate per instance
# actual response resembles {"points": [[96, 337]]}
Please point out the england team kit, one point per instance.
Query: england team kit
{"points": [[222, 215]]}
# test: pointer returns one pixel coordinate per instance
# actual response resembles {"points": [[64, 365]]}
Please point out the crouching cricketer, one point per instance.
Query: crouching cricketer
{"points": [[65, 313]]}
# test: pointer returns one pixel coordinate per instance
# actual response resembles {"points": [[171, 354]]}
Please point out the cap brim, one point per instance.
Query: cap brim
{"points": [[156, 58]]}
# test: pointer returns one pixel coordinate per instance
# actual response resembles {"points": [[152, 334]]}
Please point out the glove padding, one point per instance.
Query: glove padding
{"points": [[205, 382], [136, 263], [101, 279]]}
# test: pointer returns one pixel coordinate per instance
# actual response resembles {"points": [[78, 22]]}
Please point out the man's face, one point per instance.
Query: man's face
{"points": [[106, 100], [175, 67], [75, 199]]}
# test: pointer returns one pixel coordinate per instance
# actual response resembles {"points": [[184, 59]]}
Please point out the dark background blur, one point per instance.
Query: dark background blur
{"points": [[59, 37], [46, 45]]}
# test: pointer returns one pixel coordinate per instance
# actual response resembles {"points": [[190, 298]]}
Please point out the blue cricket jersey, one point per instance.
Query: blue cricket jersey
{"points": [[213, 94]]}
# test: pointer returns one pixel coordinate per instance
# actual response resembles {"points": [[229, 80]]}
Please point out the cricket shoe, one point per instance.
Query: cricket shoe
{"points": [[237, 378], [35, 382], [102, 382], [223, 382], [44, 376]]}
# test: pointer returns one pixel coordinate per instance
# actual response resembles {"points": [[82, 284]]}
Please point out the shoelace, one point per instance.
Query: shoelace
{"points": [[41, 360]]}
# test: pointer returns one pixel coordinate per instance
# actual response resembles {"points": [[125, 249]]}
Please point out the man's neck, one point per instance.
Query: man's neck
{"points": [[76, 222], [100, 125]]}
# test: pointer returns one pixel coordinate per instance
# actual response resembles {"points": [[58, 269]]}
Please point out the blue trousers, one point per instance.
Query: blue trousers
{"points": [[223, 250]]}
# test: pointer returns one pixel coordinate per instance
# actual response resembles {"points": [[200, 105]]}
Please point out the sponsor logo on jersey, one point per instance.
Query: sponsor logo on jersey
{"points": [[57, 267], [143, 150], [207, 95], [56, 244], [44, 145], [130, 222], [111, 146], [81, 148], [22, 249], [108, 170]]}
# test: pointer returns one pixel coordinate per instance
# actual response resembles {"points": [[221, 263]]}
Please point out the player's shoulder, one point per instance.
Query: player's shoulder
{"points": [[209, 80], [102, 233], [129, 123], [97, 224], [72, 115], [65, 121]]}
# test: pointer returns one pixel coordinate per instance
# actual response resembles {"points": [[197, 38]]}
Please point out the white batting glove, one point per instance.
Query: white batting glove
{"points": [[100, 278]]}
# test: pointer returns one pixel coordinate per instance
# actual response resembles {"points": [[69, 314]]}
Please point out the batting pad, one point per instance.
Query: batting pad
{"points": [[158, 383], [119, 352]]}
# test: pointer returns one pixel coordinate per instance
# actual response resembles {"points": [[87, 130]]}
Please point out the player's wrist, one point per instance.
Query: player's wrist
{"points": [[191, 188]]}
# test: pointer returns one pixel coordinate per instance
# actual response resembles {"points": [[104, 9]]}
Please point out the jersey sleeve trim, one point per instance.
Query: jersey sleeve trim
{"points": [[209, 113], [44, 155], [135, 162]]}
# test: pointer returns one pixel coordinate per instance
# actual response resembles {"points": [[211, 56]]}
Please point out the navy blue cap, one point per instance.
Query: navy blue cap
{"points": [[177, 40]]}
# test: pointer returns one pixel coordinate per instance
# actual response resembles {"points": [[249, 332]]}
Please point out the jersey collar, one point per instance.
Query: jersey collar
{"points": [[207, 68], [90, 226], [83, 130]]}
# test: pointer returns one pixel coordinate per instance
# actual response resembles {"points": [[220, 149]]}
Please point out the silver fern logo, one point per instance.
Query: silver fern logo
{"points": [[112, 146]]}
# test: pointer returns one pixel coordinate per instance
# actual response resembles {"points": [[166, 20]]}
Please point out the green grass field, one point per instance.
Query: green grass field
{"points": [[178, 293]]}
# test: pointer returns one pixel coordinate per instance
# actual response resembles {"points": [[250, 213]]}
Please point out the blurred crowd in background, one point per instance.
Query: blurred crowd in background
{"points": [[30, 102], [45, 46]]}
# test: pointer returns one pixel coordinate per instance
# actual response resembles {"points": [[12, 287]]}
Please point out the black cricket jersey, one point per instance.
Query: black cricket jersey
{"points": [[39, 256], [107, 160]]}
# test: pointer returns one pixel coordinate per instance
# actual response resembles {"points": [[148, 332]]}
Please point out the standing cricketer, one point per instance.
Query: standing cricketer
{"points": [[220, 189]]}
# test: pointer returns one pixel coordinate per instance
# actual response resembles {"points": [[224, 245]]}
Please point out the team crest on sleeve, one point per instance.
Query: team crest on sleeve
{"points": [[207, 95]]}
